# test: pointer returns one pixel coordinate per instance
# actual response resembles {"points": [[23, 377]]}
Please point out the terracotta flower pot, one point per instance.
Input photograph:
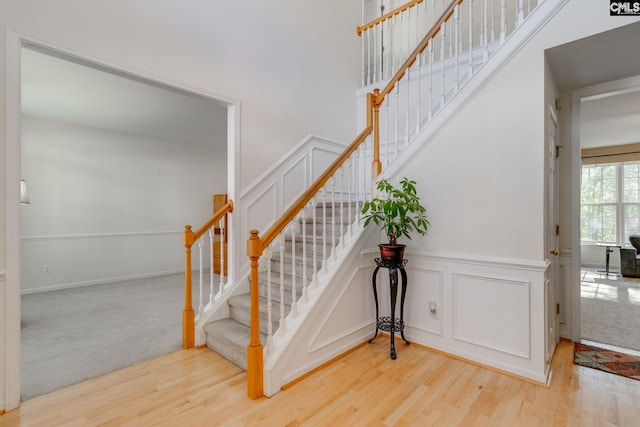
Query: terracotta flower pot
{"points": [[392, 253]]}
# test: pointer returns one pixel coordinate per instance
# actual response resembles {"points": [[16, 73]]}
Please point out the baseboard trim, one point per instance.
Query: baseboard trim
{"points": [[98, 282]]}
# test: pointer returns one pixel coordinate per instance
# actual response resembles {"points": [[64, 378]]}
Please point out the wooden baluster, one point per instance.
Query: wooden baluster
{"points": [[431, 59], [503, 21], [268, 260], [384, 28], [470, 38], [304, 255], [493, 22], [419, 97], [201, 281], [374, 29], [364, 170], [407, 107], [341, 204], [402, 55], [397, 118], [369, 78], [485, 29], [356, 178], [282, 313], [188, 316], [324, 228], [364, 62], [223, 265], [314, 205], [349, 190], [392, 53], [379, 45], [456, 36], [520, 16], [294, 273], [443, 43], [213, 267], [255, 364], [333, 218]]}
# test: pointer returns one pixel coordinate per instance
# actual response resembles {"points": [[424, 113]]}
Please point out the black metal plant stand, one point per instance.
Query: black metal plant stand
{"points": [[391, 324]]}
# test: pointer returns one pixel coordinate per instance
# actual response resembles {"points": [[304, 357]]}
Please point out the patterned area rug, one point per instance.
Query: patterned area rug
{"points": [[607, 360]]}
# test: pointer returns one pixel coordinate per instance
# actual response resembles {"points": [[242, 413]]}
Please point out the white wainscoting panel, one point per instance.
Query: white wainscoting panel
{"points": [[294, 180], [321, 158], [424, 288], [492, 312], [350, 312], [262, 211]]}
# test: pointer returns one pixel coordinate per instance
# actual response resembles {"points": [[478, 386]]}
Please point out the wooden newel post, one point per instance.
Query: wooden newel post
{"points": [[254, 349], [188, 316], [376, 165]]}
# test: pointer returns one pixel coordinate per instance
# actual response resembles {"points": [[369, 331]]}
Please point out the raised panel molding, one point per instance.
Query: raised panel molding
{"points": [[330, 325], [294, 181], [262, 210], [321, 158], [493, 313], [424, 286]]}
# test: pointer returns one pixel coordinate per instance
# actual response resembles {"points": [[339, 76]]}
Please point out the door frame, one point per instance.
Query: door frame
{"points": [[577, 96], [14, 43], [552, 236]]}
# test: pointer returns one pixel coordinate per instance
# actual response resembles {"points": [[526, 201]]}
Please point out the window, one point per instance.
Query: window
{"points": [[610, 202]]}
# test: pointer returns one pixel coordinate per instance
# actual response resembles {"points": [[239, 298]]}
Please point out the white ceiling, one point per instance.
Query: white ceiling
{"points": [[67, 89], [610, 120], [604, 57]]}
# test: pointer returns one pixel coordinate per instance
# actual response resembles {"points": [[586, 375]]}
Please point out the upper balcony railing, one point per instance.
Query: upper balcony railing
{"points": [[388, 40]]}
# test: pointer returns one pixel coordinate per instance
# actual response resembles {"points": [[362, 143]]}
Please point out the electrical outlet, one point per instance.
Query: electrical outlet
{"points": [[46, 268], [432, 307]]}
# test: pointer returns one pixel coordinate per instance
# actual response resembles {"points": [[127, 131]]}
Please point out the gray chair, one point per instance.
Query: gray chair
{"points": [[629, 258]]}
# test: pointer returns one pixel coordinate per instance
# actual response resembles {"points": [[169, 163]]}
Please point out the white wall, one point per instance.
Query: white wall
{"points": [[108, 205]]}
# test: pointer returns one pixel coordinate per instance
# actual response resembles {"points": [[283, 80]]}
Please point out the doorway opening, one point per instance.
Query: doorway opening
{"points": [[116, 163], [609, 294]]}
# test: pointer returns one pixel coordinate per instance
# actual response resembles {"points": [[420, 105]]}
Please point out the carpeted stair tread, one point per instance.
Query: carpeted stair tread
{"points": [[230, 338]]}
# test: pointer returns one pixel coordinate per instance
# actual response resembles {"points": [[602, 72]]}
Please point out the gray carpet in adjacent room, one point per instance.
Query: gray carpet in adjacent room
{"points": [[610, 310], [72, 335]]}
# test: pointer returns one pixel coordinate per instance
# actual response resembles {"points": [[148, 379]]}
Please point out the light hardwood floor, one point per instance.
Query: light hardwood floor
{"points": [[365, 387]]}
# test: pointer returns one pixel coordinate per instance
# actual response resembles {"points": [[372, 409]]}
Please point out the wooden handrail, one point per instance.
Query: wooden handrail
{"points": [[188, 239], [386, 16], [418, 50], [225, 209]]}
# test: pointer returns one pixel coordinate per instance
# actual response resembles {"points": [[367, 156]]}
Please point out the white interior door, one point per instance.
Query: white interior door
{"points": [[552, 284]]}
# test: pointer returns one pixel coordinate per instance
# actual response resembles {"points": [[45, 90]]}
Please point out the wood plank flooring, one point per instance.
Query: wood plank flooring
{"points": [[363, 388]]}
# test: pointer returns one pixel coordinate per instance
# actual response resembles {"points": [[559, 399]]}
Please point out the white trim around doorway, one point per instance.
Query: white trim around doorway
{"points": [[577, 96], [11, 309]]}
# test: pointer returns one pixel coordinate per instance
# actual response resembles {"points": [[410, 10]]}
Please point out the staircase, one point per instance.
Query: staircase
{"points": [[306, 250], [294, 261]]}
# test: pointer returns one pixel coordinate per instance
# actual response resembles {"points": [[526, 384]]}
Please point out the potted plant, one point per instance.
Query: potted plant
{"points": [[399, 213]]}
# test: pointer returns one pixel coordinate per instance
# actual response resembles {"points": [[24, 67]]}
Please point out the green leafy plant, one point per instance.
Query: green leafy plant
{"points": [[399, 213]]}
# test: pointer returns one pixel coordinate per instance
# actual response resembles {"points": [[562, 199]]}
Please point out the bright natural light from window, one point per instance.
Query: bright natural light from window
{"points": [[610, 202], [634, 296], [599, 291]]}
